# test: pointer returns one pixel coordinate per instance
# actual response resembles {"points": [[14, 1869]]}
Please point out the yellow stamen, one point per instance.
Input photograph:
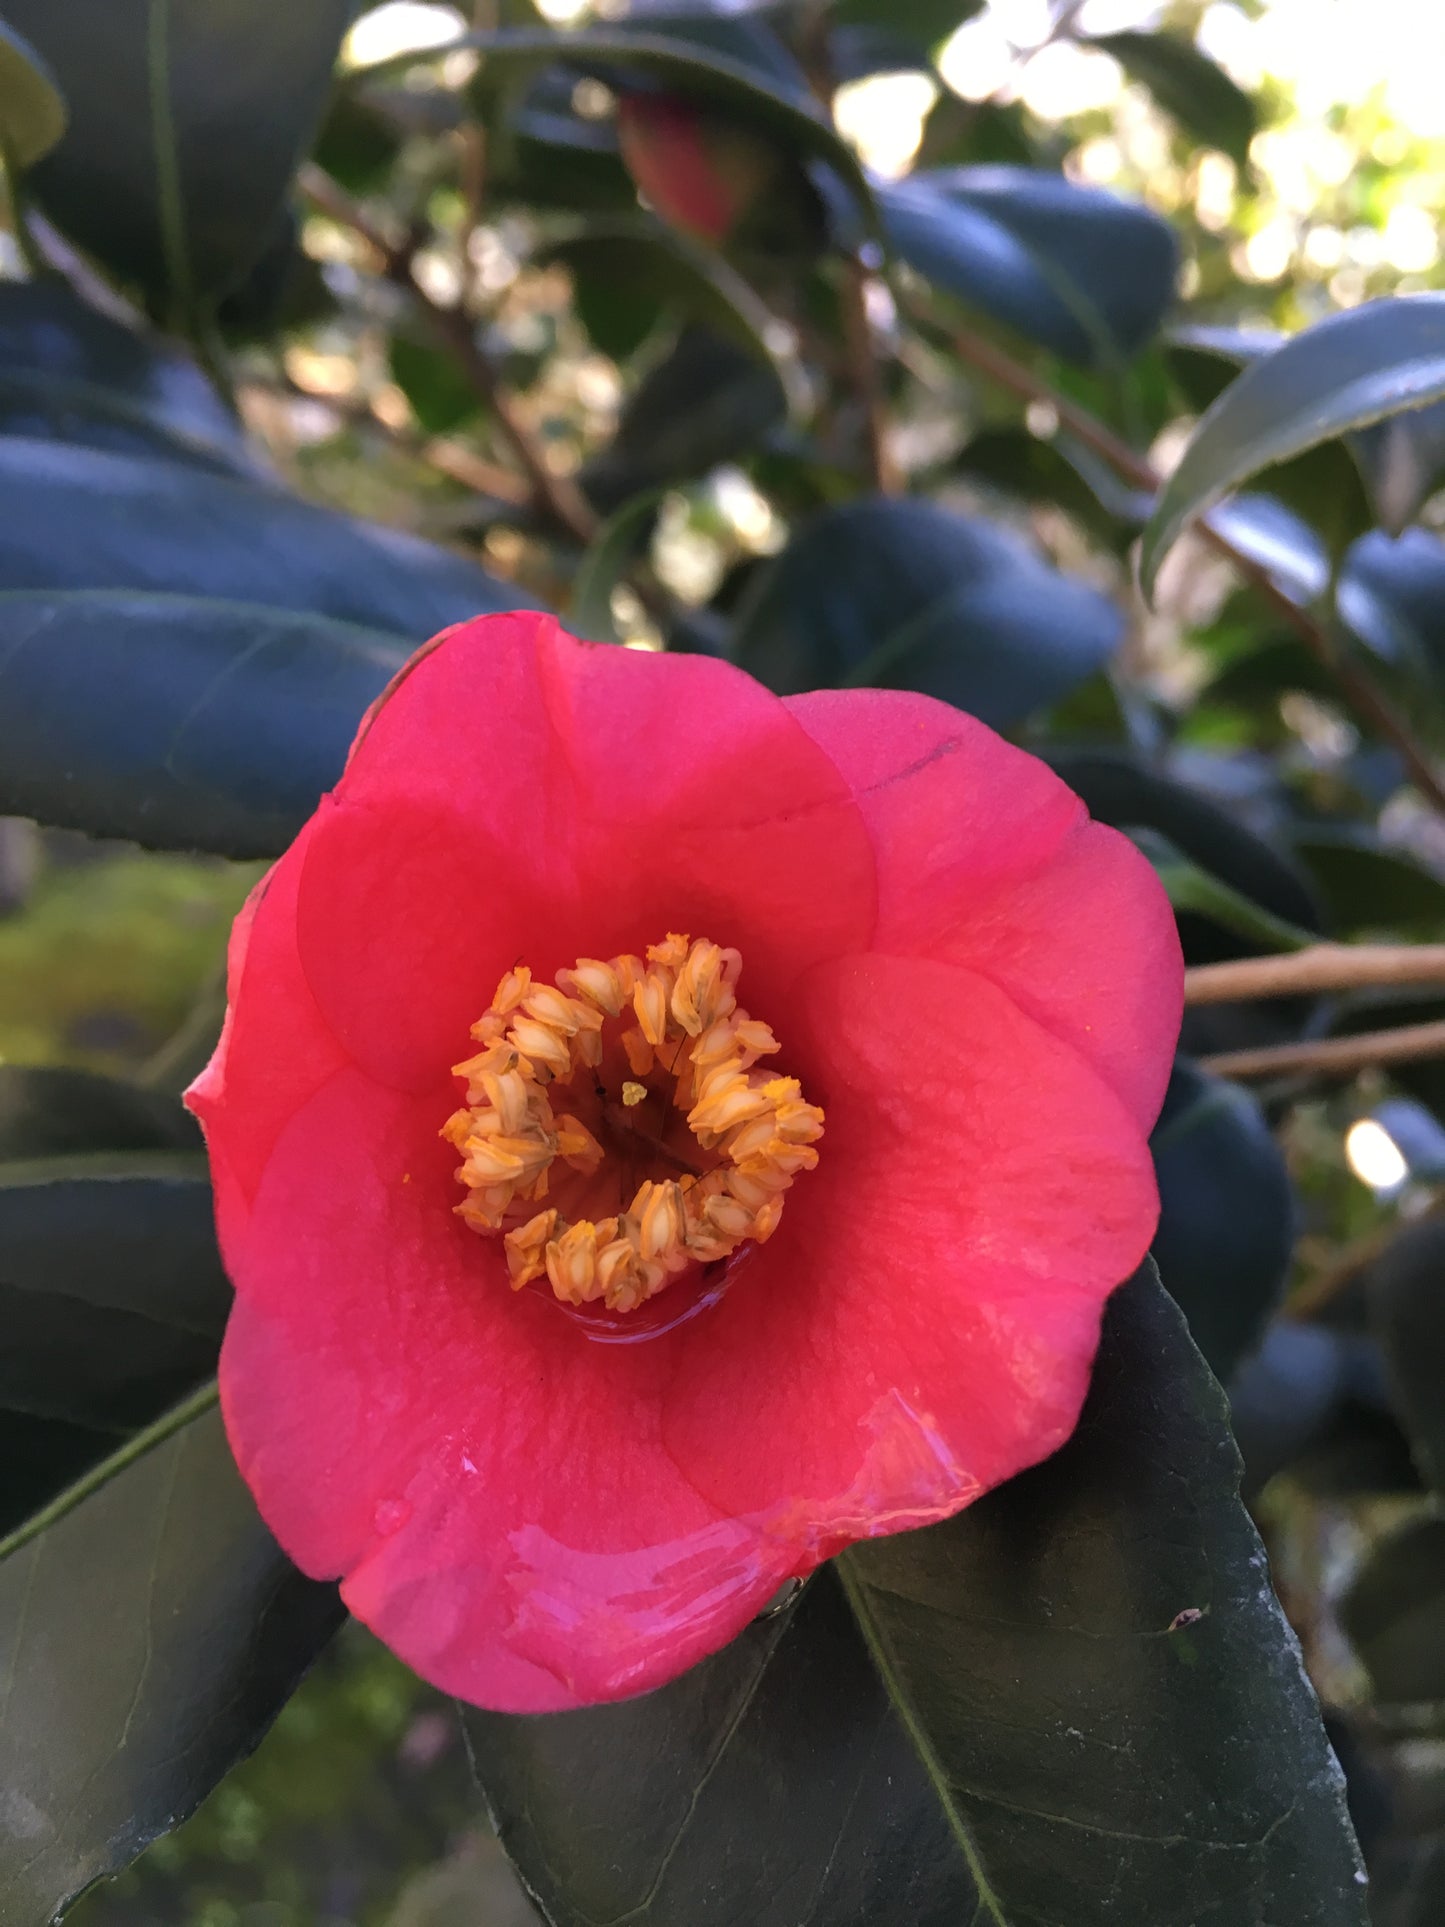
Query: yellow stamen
{"points": [[716, 1180]]}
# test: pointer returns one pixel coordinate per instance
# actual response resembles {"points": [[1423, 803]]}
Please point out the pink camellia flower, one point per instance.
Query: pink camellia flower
{"points": [[662, 1134]]}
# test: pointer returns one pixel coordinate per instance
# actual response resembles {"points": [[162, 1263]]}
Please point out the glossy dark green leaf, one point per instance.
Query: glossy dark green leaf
{"points": [[1077, 1702], [1257, 677], [1325, 488], [1266, 531], [962, 133], [1329, 485], [1392, 596], [619, 318], [1403, 462], [1057, 470], [744, 36], [1204, 358], [427, 373], [76, 518], [1073, 268], [1121, 789], [1226, 1213], [39, 1458], [1286, 1398], [50, 1110], [150, 1630], [604, 564], [543, 153], [706, 402], [72, 374], [1407, 1301], [662, 269], [32, 111], [857, 51], [50, 1113], [358, 140], [1346, 372], [1208, 105], [1366, 887], [1400, 459], [1196, 892], [284, 290], [1394, 1612], [740, 86], [187, 120], [927, 21], [176, 721], [1368, 1791], [111, 1289], [908, 595], [1407, 1886]]}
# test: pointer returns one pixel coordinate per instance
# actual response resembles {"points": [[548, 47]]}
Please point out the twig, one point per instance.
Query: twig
{"points": [[1339, 1055], [864, 377], [560, 497], [1323, 966], [860, 361], [1322, 1287], [473, 181], [449, 458], [1354, 684]]}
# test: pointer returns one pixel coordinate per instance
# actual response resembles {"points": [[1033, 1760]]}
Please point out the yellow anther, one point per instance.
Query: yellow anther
{"points": [[577, 1145], [729, 1143], [527, 1248], [595, 983], [640, 1055], [672, 952], [542, 1044], [704, 988], [572, 1263], [565, 1014], [662, 1219], [649, 1000]]}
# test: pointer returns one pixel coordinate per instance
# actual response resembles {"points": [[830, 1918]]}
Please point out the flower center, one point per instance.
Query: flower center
{"points": [[627, 1095]]}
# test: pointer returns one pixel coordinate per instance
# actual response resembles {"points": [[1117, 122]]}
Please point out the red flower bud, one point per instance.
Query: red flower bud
{"points": [[663, 1133], [700, 173]]}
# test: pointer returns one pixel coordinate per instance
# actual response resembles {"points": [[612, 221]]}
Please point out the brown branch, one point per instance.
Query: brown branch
{"points": [[864, 378], [1343, 1266], [562, 500], [474, 150], [450, 458], [859, 360], [1339, 1056], [1323, 966], [1353, 682]]}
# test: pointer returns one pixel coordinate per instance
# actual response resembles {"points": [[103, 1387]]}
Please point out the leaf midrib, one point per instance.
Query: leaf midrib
{"points": [[888, 1671]]}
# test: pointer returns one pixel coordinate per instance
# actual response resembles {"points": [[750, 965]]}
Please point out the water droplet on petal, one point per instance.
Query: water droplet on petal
{"points": [[781, 1599], [390, 1516]]}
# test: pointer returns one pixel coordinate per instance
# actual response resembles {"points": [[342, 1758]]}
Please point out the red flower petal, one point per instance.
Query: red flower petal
{"points": [[492, 1482], [274, 1052], [523, 795], [986, 858], [533, 1519], [923, 1324]]}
